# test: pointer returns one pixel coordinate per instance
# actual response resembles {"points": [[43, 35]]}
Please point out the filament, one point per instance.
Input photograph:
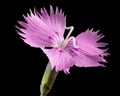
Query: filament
{"points": [[68, 38], [74, 41], [71, 29]]}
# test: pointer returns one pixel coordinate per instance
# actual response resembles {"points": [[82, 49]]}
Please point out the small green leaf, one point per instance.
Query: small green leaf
{"points": [[47, 80]]}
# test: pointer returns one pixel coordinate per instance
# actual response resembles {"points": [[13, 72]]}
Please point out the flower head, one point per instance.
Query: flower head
{"points": [[46, 31]]}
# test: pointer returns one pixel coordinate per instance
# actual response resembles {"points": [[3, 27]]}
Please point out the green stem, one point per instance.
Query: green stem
{"points": [[47, 80]]}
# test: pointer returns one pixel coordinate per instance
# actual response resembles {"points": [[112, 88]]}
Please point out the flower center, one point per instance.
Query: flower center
{"points": [[68, 38]]}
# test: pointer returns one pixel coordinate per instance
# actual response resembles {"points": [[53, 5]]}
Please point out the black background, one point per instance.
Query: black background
{"points": [[25, 65]]}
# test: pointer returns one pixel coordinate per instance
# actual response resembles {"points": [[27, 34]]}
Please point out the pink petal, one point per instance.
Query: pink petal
{"points": [[36, 39], [84, 59], [58, 20], [59, 59], [88, 41], [88, 54], [43, 30]]}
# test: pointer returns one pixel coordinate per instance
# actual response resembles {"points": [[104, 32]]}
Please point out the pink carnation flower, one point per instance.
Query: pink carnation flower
{"points": [[46, 31]]}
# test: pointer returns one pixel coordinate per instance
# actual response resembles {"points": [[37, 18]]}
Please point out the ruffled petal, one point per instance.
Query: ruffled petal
{"points": [[56, 21], [84, 59], [88, 54], [88, 41], [42, 29], [59, 59]]}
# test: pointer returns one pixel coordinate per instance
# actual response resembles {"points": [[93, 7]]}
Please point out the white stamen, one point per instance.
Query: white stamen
{"points": [[67, 39], [74, 42], [71, 29]]}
